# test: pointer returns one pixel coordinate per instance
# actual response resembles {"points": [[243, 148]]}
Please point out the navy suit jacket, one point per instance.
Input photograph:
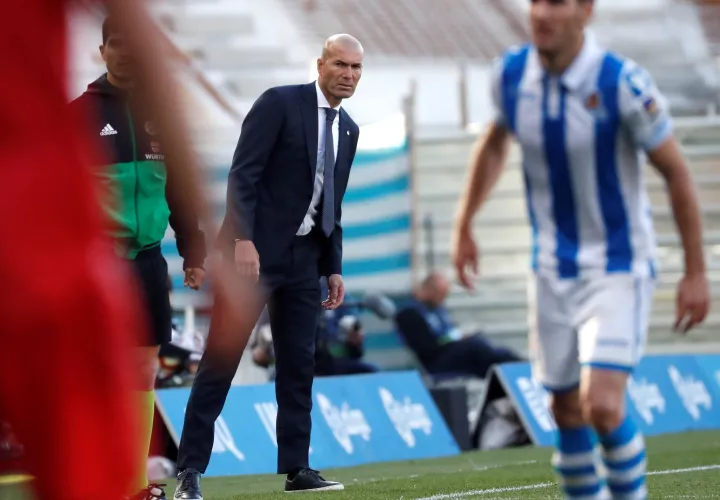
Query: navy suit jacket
{"points": [[271, 181]]}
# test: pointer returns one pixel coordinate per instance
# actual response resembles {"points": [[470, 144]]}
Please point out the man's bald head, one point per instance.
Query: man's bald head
{"points": [[340, 67], [434, 289], [341, 42]]}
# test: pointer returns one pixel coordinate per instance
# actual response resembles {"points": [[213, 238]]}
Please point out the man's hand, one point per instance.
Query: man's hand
{"points": [[247, 260], [464, 254], [336, 292], [693, 302], [194, 278], [486, 165]]}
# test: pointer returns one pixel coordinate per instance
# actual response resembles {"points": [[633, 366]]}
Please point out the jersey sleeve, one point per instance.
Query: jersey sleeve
{"points": [[498, 115], [643, 108]]}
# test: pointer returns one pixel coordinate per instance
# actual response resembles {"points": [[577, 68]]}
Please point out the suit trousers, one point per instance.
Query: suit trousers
{"points": [[291, 288]]}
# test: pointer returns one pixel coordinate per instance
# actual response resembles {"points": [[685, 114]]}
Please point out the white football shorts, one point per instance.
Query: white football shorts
{"points": [[600, 322]]}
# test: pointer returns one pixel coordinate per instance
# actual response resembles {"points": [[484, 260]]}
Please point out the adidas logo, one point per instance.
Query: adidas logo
{"points": [[108, 130]]}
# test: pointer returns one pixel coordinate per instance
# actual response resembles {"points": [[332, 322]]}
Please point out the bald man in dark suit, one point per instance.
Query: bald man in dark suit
{"points": [[283, 229]]}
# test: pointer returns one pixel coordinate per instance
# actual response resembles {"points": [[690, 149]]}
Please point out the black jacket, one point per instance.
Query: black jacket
{"points": [[273, 174], [136, 196]]}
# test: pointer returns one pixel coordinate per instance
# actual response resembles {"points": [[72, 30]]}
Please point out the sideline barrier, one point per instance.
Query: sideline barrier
{"points": [[357, 419], [666, 394]]}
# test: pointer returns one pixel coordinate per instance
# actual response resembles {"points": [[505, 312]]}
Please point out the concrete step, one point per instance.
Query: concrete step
{"points": [[669, 253], [661, 324], [246, 85], [508, 205], [629, 15], [301, 73], [517, 242], [219, 40], [499, 222], [509, 212], [700, 131], [502, 210], [252, 87], [456, 170], [208, 25], [514, 287], [433, 182], [509, 260], [664, 300], [515, 281], [651, 50], [700, 147], [225, 58]]}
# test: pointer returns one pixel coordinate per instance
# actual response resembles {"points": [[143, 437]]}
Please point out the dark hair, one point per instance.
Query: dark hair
{"points": [[108, 27]]}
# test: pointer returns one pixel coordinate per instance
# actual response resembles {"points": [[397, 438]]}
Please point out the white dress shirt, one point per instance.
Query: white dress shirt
{"points": [[309, 221]]}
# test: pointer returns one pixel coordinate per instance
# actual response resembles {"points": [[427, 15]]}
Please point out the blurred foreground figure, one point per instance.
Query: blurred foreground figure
{"points": [[141, 204], [69, 306]]}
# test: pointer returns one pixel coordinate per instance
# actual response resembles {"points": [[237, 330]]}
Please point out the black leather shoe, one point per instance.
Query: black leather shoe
{"points": [[188, 487], [310, 480]]}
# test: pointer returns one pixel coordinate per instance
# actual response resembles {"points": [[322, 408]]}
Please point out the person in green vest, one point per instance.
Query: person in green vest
{"points": [[137, 200]]}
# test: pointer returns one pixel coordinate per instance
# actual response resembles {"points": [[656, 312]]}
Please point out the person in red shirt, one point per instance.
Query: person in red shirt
{"points": [[69, 310]]}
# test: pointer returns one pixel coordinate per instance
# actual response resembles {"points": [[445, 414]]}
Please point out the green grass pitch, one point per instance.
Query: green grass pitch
{"points": [[681, 465]]}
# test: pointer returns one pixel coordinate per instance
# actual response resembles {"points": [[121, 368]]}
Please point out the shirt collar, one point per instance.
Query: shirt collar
{"points": [[322, 101], [575, 75]]}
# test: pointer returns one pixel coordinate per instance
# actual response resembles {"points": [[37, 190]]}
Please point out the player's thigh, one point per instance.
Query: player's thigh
{"points": [[552, 342], [613, 322], [152, 278], [77, 396]]}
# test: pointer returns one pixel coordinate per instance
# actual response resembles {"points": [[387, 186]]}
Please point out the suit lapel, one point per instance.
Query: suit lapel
{"points": [[308, 108]]}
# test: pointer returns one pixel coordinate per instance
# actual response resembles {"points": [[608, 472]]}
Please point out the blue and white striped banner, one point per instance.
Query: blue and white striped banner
{"points": [[377, 215], [377, 221]]}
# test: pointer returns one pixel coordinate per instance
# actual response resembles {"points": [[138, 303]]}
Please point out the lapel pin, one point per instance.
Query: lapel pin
{"points": [[348, 132]]}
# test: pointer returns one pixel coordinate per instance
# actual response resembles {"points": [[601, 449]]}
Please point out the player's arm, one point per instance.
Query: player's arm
{"points": [[693, 295], [669, 162], [190, 239], [487, 161], [646, 115]]}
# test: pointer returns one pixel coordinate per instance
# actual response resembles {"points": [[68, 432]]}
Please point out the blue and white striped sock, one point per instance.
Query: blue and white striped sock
{"points": [[575, 463], [626, 463]]}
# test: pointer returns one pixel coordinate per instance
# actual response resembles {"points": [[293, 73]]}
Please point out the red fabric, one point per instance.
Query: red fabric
{"points": [[68, 316]]}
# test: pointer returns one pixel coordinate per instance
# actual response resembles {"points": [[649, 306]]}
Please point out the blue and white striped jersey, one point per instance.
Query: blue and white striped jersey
{"points": [[583, 135]]}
